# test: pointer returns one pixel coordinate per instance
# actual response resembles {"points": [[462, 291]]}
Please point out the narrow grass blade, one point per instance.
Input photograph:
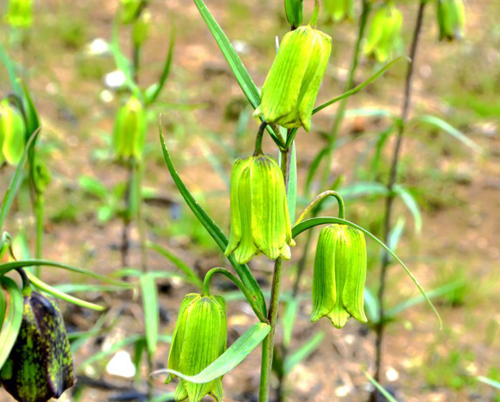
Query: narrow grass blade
{"points": [[301, 227], [382, 390], [489, 381], [449, 129], [304, 351], [220, 238], [233, 356], [291, 309], [61, 295], [186, 269], [150, 305], [13, 317], [412, 206], [14, 184]]}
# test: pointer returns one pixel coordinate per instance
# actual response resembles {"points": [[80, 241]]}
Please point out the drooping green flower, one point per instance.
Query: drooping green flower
{"points": [[451, 19], [12, 133], [20, 13], [130, 130], [339, 10], [294, 12], [293, 83], [200, 337], [339, 275], [260, 223], [40, 365], [141, 28], [384, 37], [130, 10]]}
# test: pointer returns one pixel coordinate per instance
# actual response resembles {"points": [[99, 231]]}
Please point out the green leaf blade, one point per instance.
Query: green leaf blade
{"points": [[13, 317]]}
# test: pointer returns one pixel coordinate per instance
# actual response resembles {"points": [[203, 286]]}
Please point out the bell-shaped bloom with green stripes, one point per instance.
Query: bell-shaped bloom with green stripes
{"points": [[451, 19], [260, 223], [130, 130], [293, 83], [200, 337], [19, 13], [339, 275], [384, 36], [12, 133], [339, 10]]}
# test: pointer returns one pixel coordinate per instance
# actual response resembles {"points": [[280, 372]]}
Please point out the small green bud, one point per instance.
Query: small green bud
{"points": [[142, 26], [260, 223], [451, 19], [20, 13], [292, 85], [339, 10], [12, 133], [339, 275], [130, 10], [40, 365], [130, 130], [200, 337], [294, 12], [384, 37]]}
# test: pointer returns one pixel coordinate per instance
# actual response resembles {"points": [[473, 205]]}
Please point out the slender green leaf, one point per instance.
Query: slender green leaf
{"points": [[86, 288], [362, 189], [291, 309], [115, 347], [369, 112], [382, 390], [33, 121], [233, 60], [360, 86], [304, 351], [13, 317], [188, 271], [167, 397], [301, 227], [395, 234], [11, 71], [9, 266], [61, 295], [220, 238], [412, 205], [371, 306], [292, 184], [150, 305], [14, 184], [449, 129], [154, 91], [489, 381], [233, 356]]}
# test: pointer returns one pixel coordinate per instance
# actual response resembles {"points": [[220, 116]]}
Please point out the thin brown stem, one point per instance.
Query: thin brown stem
{"points": [[389, 202]]}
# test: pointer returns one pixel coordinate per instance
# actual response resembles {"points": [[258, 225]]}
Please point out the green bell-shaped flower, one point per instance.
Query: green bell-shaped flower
{"points": [[384, 37], [451, 19], [200, 337], [339, 10], [40, 365], [141, 28], [130, 10], [130, 130], [339, 275], [12, 133], [260, 223], [292, 85], [20, 13]]}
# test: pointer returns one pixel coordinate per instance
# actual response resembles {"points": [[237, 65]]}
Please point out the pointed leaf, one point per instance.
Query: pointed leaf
{"points": [[489, 381], [304, 351], [382, 390], [150, 305], [13, 317], [220, 238]]}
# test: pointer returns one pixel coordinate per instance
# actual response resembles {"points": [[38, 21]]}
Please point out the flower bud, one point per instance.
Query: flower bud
{"points": [[20, 13], [130, 10], [294, 12], [200, 337], [260, 223], [12, 133], [451, 19], [142, 26], [339, 10], [130, 130], [339, 275], [40, 365], [292, 85], [384, 37]]}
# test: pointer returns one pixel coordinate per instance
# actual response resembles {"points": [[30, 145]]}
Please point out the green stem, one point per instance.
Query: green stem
{"points": [[314, 203], [268, 343], [251, 300], [259, 138], [39, 204], [140, 221], [314, 18]]}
